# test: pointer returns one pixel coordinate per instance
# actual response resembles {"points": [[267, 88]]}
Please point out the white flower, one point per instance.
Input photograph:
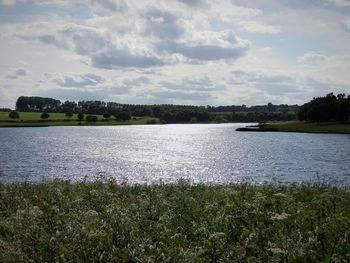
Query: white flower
{"points": [[280, 216]]}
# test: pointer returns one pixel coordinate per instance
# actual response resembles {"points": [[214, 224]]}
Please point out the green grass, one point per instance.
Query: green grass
{"points": [[298, 126], [106, 222], [60, 119]]}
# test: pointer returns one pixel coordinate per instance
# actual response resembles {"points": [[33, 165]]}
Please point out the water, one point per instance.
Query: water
{"points": [[165, 153]]}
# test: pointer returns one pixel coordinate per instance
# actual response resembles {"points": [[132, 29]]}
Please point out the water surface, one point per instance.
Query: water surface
{"points": [[203, 153]]}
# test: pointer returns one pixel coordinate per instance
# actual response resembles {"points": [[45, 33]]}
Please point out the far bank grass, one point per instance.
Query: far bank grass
{"points": [[30, 119], [299, 126], [106, 222]]}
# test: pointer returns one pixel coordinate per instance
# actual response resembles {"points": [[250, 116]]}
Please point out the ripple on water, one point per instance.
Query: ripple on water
{"points": [[165, 153]]}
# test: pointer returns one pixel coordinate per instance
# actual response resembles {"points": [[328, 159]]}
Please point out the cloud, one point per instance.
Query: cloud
{"points": [[113, 5], [79, 81], [16, 73], [162, 24], [208, 46], [204, 84], [258, 27], [137, 81], [271, 84], [341, 3], [347, 24], [102, 50], [195, 3], [7, 2], [74, 94], [170, 96], [312, 57], [114, 58]]}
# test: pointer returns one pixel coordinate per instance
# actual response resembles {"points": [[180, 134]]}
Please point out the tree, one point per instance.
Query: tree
{"points": [[106, 115], [13, 115], [327, 108], [80, 116], [91, 118], [122, 115], [44, 115], [37, 104]]}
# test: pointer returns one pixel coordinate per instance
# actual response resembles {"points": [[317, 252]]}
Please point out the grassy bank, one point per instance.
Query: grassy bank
{"points": [[299, 126], [60, 222], [30, 119]]}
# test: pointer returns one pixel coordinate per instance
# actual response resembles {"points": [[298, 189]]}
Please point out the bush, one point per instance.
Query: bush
{"points": [[80, 116], [193, 120], [106, 115], [44, 115], [153, 121], [123, 115], [91, 118], [69, 115], [13, 115]]}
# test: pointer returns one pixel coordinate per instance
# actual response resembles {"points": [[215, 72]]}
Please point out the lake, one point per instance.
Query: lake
{"points": [[197, 153]]}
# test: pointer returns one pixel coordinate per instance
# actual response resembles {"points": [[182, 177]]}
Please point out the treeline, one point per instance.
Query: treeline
{"points": [[166, 113], [327, 108], [284, 108]]}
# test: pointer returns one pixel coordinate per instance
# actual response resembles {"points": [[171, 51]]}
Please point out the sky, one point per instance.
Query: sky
{"points": [[200, 52]]}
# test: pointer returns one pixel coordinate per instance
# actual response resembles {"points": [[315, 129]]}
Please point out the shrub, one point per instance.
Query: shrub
{"points": [[69, 115], [91, 118], [106, 115], [13, 115], [123, 115], [80, 116], [153, 121], [44, 115]]}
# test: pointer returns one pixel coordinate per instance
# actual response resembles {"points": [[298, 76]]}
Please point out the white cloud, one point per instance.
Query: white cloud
{"points": [[258, 27], [162, 24], [79, 81], [17, 73], [312, 57], [195, 3], [341, 3], [347, 24], [208, 46], [179, 51]]}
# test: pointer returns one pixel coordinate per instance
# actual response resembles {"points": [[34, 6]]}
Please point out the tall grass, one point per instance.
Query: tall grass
{"points": [[91, 222]]}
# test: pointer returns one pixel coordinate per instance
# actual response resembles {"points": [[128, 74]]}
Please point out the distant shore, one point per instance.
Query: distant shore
{"points": [[32, 119], [302, 127]]}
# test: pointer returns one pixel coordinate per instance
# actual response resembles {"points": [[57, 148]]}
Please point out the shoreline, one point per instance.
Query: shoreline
{"points": [[301, 127]]}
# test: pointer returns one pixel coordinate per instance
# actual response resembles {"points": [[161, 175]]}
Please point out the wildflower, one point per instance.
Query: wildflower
{"points": [[280, 195], [276, 250], [280, 216]]}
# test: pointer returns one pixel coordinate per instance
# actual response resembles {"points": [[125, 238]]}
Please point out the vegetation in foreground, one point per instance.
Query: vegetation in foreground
{"points": [[311, 127], [106, 222]]}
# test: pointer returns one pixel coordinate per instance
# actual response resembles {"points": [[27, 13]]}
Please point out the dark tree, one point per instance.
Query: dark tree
{"points": [[44, 115], [13, 115], [91, 118], [122, 115], [106, 115], [80, 116], [37, 104], [68, 107], [327, 108]]}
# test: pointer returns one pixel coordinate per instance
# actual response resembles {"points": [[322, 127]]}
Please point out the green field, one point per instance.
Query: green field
{"points": [[60, 119], [106, 222], [298, 126]]}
